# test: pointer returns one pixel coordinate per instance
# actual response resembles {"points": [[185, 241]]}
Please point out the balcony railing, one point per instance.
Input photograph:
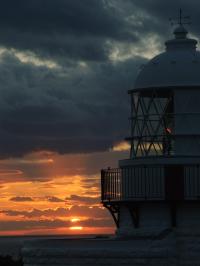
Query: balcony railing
{"points": [[151, 183]]}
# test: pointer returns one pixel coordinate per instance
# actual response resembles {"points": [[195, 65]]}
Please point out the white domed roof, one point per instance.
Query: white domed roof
{"points": [[178, 66]]}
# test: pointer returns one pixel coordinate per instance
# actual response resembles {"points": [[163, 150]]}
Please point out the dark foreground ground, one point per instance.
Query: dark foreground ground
{"points": [[8, 261]]}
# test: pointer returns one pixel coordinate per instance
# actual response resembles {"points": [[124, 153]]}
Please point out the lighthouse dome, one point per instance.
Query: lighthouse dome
{"points": [[178, 66]]}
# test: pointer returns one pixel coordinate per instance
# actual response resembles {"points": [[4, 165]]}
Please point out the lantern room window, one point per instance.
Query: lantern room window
{"points": [[152, 123]]}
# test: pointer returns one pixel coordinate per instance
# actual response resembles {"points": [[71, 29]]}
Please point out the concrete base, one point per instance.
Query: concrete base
{"points": [[154, 219]]}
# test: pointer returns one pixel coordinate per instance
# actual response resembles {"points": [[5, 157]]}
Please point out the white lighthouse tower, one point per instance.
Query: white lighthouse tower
{"points": [[158, 187]]}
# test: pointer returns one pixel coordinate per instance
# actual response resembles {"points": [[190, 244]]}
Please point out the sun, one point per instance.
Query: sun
{"points": [[75, 219], [76, 228]]}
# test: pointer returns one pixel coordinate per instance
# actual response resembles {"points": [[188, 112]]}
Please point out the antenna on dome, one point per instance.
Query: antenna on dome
{"points": [[181, 20]]}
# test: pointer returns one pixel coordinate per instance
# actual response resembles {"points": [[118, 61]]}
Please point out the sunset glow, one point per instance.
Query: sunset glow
{"points": [[48, 193], [121, 146]]}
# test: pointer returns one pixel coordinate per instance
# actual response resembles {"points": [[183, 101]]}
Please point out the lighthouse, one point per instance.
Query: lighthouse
{"points": [[158, 187], [154, 195]]}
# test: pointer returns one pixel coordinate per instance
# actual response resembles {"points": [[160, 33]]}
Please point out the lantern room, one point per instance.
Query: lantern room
{"points": [[165, 102], [158, 187]]}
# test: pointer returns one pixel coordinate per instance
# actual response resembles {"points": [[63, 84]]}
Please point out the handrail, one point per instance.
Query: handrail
{"points": [[146, 183]]}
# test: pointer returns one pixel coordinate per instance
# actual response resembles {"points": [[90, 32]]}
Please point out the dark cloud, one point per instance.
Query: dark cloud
{"points": [[76, 211], [84, 110], [33, 224], [47, 198], [46, 224], [72, 28], [73, 199], [155, 14], [75, 106], [61, 16], [97, 223], [43, 167], [21, 199], [54, 199]]}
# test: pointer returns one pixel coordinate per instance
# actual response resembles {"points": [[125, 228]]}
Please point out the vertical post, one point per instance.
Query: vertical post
{"points": [[102, 184], [132, 143]]}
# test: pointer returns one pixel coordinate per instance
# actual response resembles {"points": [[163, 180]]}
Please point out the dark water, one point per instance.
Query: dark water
{"points": [[11, 245]]}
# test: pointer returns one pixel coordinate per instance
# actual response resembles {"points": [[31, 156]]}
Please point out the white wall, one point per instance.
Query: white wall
{"points": [[155, 215], [187, 121]]}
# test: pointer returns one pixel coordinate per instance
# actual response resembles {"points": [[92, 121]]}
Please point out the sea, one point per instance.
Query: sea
{"points": [[12, 245]]}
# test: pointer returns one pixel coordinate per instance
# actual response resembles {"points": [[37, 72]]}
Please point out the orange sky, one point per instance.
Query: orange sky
{"points": [[48, 193]]}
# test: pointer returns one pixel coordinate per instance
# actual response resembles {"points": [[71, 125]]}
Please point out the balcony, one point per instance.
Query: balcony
{"points": [[151, 183]]}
